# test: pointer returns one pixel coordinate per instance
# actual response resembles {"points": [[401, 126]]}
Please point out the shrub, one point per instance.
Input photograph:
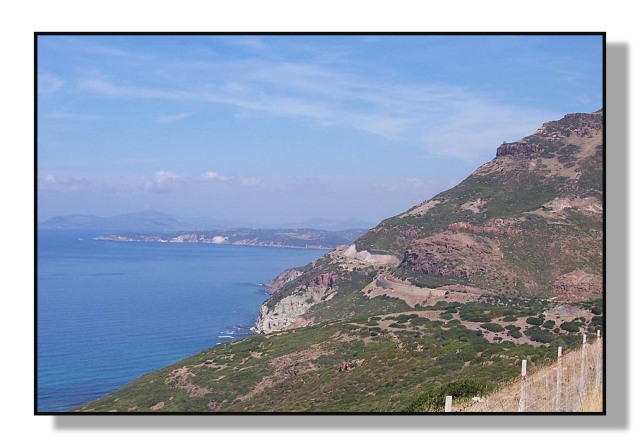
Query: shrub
{"points": [[452, 323], [492, 327], [446, 316], [534, 321], [549, 324], [509, 318], [537, 334], [597, 310], [515, 333], [571, 327]]}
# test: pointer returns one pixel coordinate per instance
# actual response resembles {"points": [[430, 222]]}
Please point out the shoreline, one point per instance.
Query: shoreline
{"points": [[277, 246]]}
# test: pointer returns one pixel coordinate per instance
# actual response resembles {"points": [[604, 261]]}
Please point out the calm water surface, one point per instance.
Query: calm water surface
{"points": [[109, 312]]}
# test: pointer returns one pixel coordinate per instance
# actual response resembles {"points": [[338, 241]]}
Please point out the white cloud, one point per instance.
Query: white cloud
{"points": [[163, 182], [208, 176], [62, 183], [243, 181]]}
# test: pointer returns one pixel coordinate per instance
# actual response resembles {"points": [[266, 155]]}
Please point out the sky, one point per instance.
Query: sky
{"points": [[263, 130]]}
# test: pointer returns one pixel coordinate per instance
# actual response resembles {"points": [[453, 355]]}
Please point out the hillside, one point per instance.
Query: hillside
{"points": [[526, 224], [503, 267]]}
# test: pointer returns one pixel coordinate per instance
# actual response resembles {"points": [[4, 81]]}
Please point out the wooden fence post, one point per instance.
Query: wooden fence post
{"points": [[598, 361], [583, 362], [559, 380], [523, 388], [447, 403]]}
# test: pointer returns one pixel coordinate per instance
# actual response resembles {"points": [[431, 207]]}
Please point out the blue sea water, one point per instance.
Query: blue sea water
{"points": [[109, 312]]}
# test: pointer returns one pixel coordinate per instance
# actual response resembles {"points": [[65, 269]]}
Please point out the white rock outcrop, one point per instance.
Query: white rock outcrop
{"points": [[368, 257]]}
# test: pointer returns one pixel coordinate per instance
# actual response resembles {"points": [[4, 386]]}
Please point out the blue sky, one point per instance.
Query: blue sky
{"points": [[263, 130]]}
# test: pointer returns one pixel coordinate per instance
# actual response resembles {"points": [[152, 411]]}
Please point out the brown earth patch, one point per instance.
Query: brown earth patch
{"points": [[287, 366], [157, 406], [422, 208], [181, 377]]}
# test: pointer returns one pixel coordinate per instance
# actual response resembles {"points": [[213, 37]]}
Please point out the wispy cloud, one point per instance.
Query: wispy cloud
{"points": [[48, 83], [446, 119], [73, 116], [167, 119]]}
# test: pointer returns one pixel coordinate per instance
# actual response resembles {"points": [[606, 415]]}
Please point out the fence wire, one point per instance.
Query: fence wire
{"points": [[571, 384]]}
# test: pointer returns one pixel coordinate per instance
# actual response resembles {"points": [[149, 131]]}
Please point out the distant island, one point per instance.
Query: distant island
{"points": [[289, 238]]}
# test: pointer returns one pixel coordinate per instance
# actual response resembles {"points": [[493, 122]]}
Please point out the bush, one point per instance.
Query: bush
{"points": [[549, 324], [537, 334], [509, 318], [515, 333], [492, 327], [534, 321], [597, 310], [571, 327], [446, 316], [452, 323]]}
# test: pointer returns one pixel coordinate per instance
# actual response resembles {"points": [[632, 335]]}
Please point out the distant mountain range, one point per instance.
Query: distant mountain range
{"points": [[153, 221], [146, 221]]}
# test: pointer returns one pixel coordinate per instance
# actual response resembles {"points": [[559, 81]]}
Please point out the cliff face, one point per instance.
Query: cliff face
{"points": [[288, 312], [526, 224], [510, 149]]}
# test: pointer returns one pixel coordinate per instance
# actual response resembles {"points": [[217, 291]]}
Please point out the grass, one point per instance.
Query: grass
{"points": [[541, 391]]}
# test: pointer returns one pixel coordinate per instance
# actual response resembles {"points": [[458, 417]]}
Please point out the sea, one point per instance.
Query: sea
{"points": [[108, 312]]}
